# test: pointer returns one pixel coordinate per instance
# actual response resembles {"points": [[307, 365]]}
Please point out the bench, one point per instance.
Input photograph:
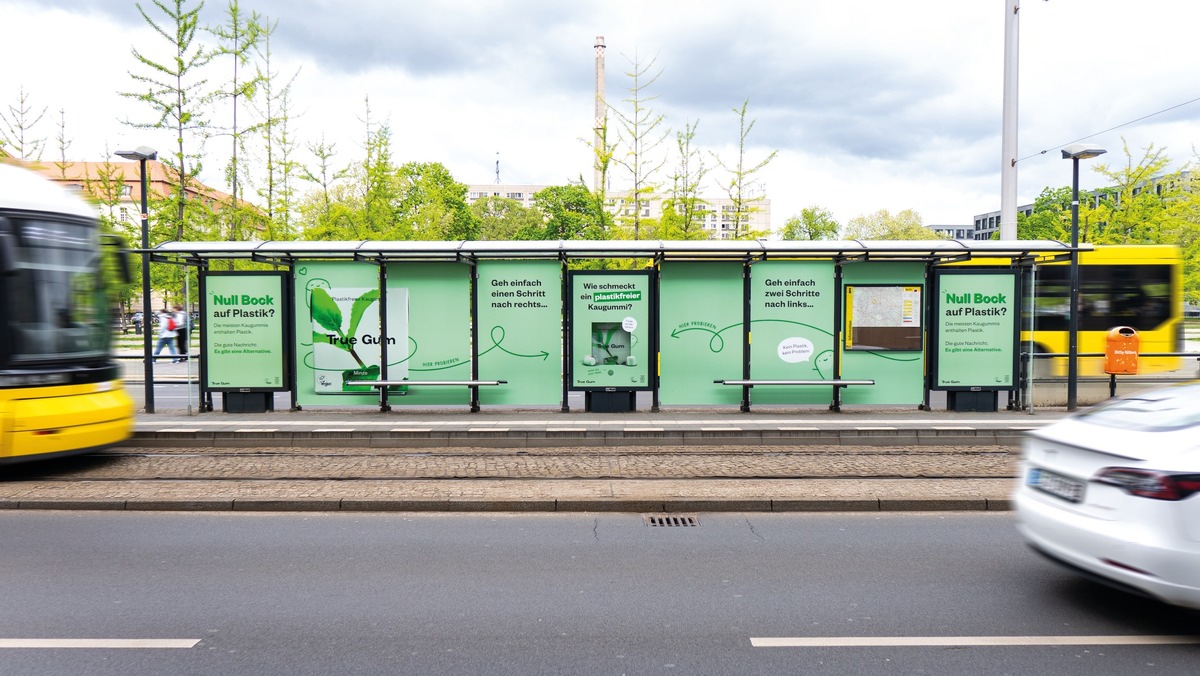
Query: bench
{"points": [[382, 386], [835, 383]]}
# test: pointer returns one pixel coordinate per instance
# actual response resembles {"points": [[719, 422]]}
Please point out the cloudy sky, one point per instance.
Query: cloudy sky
{"points": [[871, 104]]}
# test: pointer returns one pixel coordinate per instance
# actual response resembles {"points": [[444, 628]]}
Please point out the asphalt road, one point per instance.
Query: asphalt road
{"points": [[549, 594]]}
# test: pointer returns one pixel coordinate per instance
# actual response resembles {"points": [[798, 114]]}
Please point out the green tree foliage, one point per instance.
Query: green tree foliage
{"points": [[742, 179], [1050, 218], [882, 225], [432, 205], [1133, 210], [502, 218], [813, 223], [570, 213]]}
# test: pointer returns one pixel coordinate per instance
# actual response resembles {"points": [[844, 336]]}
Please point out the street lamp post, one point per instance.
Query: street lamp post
{"points": [[144, 154], [1075, 152]]}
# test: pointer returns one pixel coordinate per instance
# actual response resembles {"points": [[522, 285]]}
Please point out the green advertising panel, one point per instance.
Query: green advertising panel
{"points": [[791, 329], [337, 332], [429, 320], [520, 331], [243, 331], [701, 315], [976, 344], [611, 330]]}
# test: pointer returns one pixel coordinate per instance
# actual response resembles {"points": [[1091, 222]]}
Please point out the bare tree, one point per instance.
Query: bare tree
{"points": [[16, 128], [741, 175], [642, 132]]}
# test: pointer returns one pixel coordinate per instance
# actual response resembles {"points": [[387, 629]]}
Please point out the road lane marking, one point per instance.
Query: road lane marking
{"points": [[932, 641], [154, 643]]}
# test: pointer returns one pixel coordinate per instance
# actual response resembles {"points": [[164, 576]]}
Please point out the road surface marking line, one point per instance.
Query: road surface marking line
{"points": [[799, 429], [98, 642], [257, 429], [411, 429], [928, 641]]}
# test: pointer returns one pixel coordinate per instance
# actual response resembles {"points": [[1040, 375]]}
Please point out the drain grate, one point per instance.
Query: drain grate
{"points": [[655, 520]]}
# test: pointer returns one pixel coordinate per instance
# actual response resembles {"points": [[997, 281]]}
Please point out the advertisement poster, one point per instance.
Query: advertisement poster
{"points": [[976, 330], [347, 336], [611, 330], [242, 321]]}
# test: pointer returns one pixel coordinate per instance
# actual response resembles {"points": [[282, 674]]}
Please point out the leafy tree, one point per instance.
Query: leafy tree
{"points": [[1050, 218], [433, 206], [17, 128], [569, 213], [741, 179], [175, 91], [642, 132], [1184, 230], [813, 223], [502, 218], [318, 205], [1134, 210], [882, 225]]}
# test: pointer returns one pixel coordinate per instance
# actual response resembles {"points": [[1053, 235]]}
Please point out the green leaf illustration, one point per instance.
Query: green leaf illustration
{"points": [[360, 306], [323, 339], [325, 311]]}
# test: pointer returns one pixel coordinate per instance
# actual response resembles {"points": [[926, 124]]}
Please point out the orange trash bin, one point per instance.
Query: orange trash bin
{"points": [[1121, 351]]}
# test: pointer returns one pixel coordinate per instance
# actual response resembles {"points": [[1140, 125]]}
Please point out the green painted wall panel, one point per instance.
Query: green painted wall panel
{"points": [[701, 332], [439, 330]]}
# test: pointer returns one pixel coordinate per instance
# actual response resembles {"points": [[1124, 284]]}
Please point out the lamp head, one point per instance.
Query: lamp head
{"points": [[140, 153], [1082, 151]]}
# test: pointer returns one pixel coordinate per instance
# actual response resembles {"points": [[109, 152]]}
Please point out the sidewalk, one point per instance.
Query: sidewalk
{"points": [[542, 459]]}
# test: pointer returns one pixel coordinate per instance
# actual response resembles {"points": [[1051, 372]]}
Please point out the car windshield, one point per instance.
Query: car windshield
{"points": [[1161, 410]]}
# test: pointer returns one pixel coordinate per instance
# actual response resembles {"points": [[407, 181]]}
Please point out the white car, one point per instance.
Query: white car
{"points": [[1113, 493]]}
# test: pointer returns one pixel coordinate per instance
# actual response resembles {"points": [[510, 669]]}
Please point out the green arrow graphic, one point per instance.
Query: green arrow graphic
{"points": [[496, 345]]}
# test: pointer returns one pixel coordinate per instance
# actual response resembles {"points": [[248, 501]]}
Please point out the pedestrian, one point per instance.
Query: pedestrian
{"points": [[182, 333], [166, 335]]}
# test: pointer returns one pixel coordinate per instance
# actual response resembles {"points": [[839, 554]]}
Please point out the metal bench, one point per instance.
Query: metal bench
{"points": [[836, 383], [382, 386]]}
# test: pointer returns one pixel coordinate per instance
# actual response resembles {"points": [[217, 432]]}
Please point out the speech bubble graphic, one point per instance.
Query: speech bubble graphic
{"points": [[795, 350]]}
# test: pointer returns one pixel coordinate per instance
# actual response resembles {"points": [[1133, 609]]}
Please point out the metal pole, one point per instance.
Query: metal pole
{"points": [[1073, 310], [1008, 140], [147, 321]]}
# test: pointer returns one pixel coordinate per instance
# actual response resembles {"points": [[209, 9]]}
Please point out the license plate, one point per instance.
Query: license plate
{"points": [[1057, 485]]}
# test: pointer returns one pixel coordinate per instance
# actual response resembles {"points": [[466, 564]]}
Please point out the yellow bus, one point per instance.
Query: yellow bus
{"points": [[60, 389], [1139, 286]]}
